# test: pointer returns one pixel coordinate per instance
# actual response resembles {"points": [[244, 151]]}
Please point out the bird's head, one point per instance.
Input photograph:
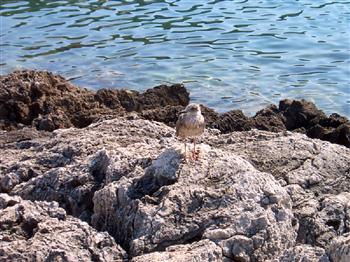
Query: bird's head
{"points": [[192, 108]]}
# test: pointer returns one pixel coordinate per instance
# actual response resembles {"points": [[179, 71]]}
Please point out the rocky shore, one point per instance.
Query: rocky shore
{"points": [[88, 176], [47, 102]]}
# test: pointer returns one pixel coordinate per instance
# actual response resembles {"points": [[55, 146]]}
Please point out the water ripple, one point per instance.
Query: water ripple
{"points": [[285, 16], [231, 54]]}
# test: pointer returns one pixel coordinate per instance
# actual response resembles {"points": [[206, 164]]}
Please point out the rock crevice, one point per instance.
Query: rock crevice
{"points": [[113, 187], [254, 196]]}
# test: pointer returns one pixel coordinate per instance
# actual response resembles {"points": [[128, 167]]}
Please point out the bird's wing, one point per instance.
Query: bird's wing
{"points": [[179, 123], [201, 123]]}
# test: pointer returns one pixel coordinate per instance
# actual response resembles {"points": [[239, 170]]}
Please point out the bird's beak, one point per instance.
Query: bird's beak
{"points": [[182, 112]]}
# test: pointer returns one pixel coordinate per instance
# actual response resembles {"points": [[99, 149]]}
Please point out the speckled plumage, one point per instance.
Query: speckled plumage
{"points": [[190, 122]]}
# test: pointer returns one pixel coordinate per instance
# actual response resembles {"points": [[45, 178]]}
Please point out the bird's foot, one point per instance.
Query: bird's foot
{"points": [[184, 158], [195, 154]]}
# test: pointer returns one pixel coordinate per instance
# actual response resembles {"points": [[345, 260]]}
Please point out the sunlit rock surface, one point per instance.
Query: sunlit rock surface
{"points": [[253, 196], [41, 231]]}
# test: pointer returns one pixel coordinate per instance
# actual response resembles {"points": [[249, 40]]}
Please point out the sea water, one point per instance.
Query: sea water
{"points": [[229, 54]]}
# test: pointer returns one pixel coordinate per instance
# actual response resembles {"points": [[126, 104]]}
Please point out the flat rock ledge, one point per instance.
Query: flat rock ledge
{"points": [[118, 190]]}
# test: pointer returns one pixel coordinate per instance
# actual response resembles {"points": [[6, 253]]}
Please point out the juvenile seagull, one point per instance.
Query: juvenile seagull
{"points": [[190, 124]]}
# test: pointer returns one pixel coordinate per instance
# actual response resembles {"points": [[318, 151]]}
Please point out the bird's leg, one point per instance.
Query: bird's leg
{"points": [[194, 148], [185, 152], [193, 153]]}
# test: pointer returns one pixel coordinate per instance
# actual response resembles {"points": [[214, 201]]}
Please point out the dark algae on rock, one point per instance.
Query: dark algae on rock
{"points": [[293, 115], [46, 102]]}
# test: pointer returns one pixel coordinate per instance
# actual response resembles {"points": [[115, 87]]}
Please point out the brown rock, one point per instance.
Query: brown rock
{"points": [[210, 116], [233, 120], [41, 97], [128, 100], [164, 95], [108, 97], [269, 119], [334, 120], [339, 135], [167, 114], [48, 102], [300, 113]]}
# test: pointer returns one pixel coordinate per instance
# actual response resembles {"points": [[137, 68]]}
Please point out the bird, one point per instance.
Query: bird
{"points": [[190, 124]]}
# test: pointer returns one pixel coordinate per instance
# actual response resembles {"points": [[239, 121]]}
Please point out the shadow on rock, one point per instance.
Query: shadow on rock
{"points": [[256, 195], [160, 208], [41, 231], [162, 172]]}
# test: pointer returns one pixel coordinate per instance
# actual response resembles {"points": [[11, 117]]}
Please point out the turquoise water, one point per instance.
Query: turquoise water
{"points": [[230, 54]]}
